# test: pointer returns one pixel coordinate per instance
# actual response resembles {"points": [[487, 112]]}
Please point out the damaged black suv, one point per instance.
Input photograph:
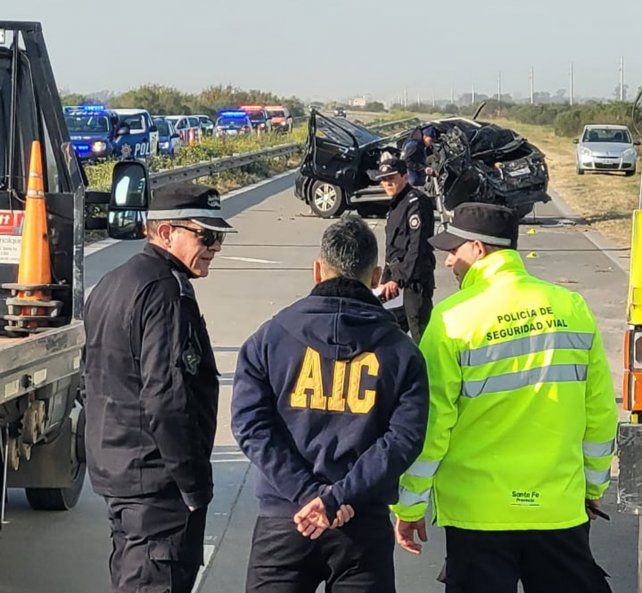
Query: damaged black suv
{"points": [[480, 162]]}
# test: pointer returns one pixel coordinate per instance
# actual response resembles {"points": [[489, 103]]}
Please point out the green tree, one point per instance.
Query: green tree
{"points": [[156, 99], [75, 99]]}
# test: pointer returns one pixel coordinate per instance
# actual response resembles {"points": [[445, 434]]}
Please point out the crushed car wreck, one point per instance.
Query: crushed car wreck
{"points": [[482, 162]]}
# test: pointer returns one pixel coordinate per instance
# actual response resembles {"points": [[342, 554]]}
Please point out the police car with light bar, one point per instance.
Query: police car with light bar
{"points": [[97, 132], [91, 129], [232, 122]]}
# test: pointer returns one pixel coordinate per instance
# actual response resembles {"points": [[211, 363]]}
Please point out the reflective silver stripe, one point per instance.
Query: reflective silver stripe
{"points": [[527, 345], [184, 213], [597, 477], [598, 449], [423, 469], [408, 498], [551, 374], [453, 230]]}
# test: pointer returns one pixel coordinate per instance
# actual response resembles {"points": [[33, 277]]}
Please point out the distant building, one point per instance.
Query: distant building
{"points": [[358, 101]]}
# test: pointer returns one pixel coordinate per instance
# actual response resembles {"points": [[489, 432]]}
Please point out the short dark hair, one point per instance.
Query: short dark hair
{"points": [[349, 247]]}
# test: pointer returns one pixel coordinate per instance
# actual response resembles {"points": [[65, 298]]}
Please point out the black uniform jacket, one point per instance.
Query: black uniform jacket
{"points": [[411, 222], [150, 382]]}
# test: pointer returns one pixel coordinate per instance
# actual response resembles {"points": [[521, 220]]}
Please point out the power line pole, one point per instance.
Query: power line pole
{"points": [[472, 95], [531, 79], [621, 78], [499, 91], [434, 102], [452, 94], [571, 89]]}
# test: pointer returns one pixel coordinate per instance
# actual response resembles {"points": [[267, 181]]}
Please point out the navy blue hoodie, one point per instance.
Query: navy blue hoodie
{"points": [[330, 399]]}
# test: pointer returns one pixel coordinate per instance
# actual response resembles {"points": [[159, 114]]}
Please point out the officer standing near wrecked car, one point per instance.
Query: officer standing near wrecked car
{"points": [[421, 155], [410, 261], [151, 395]]}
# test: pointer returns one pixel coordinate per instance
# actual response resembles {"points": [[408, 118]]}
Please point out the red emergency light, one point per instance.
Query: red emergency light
{"points": [[632, 389]]}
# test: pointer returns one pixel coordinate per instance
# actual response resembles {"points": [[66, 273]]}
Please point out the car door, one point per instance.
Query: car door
{"points": [[153, 134], [332, 153]]}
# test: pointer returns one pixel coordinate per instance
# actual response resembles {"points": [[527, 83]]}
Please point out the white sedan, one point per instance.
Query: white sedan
{"points": [[606, 148]]}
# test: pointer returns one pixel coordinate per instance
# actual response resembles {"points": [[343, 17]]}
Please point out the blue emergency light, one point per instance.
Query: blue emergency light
{"points": [[233, 114], [86, 109]]}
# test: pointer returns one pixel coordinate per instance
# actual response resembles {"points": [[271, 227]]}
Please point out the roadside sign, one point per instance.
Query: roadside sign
{"points": [[11, 223]]}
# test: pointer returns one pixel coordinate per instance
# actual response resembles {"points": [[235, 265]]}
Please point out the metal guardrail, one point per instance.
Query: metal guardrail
{"points": [[394, 124], [207, 168]]}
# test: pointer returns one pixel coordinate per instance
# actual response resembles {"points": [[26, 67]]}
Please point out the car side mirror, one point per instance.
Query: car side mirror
{"points": [[129, 201], [637, 143], [123, 131], [576, 141], [175, 135], [153, 129]]}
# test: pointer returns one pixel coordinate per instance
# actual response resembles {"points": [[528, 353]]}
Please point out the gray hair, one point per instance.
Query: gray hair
{"points": [[152, 226], [349, 247]]}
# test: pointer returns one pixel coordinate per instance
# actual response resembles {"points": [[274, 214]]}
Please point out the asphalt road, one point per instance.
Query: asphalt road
{"points": [[262, 269]]}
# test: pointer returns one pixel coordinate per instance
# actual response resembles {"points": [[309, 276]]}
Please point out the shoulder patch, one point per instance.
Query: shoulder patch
{"points": [[414, 221], [413, 200]]}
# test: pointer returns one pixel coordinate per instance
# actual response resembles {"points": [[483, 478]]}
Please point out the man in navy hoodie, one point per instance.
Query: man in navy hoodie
{"points": [[330, 404]]}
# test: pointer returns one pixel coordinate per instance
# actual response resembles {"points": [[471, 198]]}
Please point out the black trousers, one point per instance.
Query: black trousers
{"points": [[557, 561], [357, 558], [157, 543], [415, 314]]}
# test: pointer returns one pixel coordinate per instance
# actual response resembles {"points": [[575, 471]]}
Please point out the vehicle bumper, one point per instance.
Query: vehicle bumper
{"points": [[591, 163]]}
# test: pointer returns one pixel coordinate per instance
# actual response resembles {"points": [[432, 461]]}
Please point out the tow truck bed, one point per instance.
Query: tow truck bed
{"points": [[34, 361]]}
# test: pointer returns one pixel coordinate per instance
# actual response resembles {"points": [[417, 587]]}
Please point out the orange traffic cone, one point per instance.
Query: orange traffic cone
{"points": [[35, 259], [30, 307]]}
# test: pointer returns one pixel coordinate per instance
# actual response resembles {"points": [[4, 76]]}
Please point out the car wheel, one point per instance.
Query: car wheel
{"points": [[629, 173], [57, 499], [579, 170], [326, 200]]}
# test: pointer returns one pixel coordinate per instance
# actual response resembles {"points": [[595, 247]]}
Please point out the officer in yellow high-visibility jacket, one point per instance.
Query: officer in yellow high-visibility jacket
{"points": [[522, 421]]}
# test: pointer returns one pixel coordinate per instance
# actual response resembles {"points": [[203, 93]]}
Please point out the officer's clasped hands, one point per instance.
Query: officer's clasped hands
{"points": [[312, 520]]}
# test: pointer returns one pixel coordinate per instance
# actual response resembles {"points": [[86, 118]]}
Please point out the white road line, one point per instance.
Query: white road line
{"points": [[100, 245], [208, 553], [249, 260], [606, 246], [242, 190]]}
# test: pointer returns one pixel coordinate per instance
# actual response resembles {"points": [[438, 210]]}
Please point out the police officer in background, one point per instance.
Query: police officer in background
{"points": [[410, 261], [421, 155], [151, 395]]}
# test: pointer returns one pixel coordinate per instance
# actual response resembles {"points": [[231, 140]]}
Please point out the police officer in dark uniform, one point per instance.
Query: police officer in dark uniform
{"points": [[410, 261], [421, 155], [151, 395]]}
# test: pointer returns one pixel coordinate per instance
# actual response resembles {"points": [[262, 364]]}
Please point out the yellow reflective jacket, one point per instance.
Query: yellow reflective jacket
{"points": [[522, 408]]}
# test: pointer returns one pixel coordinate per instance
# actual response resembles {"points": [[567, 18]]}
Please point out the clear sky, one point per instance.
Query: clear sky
{"points": [[338, 48]]}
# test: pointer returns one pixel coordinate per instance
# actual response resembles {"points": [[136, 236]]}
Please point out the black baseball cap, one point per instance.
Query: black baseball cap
{"points": [[391, 166], [430, 131], [189, 201], [488, 223]]}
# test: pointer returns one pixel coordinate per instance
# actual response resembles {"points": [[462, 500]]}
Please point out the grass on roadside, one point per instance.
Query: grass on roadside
{"points": [[604, 200]]}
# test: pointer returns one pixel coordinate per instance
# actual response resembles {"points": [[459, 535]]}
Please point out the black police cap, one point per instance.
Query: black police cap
{"points": [[391, 166], [188, 201], [488, 223]]}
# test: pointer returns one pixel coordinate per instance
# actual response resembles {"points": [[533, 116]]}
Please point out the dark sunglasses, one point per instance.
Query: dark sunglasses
{"points": [[207, 236]]}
